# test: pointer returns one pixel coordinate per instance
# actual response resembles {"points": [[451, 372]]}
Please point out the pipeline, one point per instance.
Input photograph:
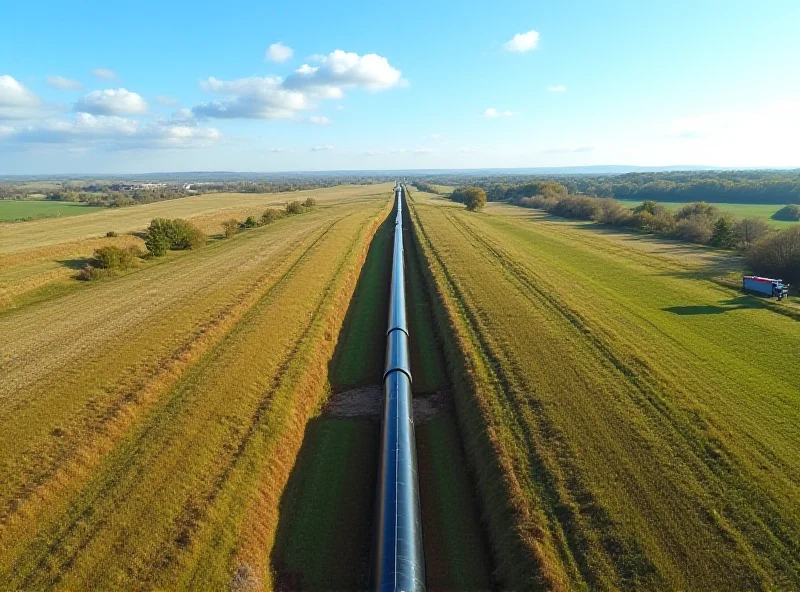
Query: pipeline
{"points": [[398, 558]]}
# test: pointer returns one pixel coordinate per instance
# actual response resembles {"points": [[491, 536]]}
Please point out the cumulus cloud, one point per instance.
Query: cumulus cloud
{"points": [[112, 102], [114, 132], [492, 113], [166, 100], [278, 52], [339, 70], [252, 98], [62, 83], [317, 120], [557, 88], [273, 97], [16, 101], [104, 73], [522, 42], [323, 148]]}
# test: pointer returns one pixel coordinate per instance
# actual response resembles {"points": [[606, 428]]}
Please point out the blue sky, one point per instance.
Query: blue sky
{"points": [[90, 87]]}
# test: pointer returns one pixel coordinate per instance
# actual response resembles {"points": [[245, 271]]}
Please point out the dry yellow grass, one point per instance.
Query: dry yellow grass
{"points": [[40, 255], [120, 406]]}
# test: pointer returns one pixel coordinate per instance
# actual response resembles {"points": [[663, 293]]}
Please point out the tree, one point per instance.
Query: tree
{"points": [[294, 207], [310, 202], [250, 222], [157, 243], [270, 215], [778, 256], [749, 231], [474, 199], [723, 236], [789, 213]]}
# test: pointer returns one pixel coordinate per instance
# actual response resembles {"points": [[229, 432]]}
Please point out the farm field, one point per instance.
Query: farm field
{"points": [[39, 258], [150, 422], [738, 210], [632, 416], [18, 209]]}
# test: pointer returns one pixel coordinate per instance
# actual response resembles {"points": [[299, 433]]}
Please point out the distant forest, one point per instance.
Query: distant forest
{"points": [[750, 187]]}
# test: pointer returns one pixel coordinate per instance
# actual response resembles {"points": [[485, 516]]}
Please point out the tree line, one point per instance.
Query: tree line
{"points": [[768, 251]]}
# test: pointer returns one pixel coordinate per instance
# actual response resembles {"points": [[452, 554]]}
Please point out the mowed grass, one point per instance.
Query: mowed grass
{"points": [[149, 423], [737, 210], [40, 258], [29, 209], [633, 424]]}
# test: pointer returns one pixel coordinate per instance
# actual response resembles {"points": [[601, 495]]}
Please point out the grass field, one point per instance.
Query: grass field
{"points": [[735, 209], [634, 422], [150, 423], [39, 258], [326, 524], [29, 209]]}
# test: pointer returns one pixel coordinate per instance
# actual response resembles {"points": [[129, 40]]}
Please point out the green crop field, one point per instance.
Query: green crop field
{"points": [[737, 210], [632, 419], [30, 209]]}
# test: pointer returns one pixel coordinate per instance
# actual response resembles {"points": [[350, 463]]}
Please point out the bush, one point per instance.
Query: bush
{"points": [[177, 235], [90, 273], [111, 234], [230, 227], [695, 229], [294, 207], [251, 222], [778, 256], [112, 257], [790, 213], [270, 215], [310, 202], [698, 209]]}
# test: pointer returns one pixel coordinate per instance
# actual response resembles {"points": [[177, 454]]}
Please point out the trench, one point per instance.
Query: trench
{"points": [[326, 515]]}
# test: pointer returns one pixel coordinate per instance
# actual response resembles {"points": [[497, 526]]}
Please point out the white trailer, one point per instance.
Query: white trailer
{"points": [[765, 286]]}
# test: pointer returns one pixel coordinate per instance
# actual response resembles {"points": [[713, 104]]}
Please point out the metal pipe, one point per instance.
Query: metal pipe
{"points": [[398, 558]]}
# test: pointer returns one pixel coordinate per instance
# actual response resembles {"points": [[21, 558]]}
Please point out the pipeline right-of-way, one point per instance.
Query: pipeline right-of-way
{"points": [[398, 561]]}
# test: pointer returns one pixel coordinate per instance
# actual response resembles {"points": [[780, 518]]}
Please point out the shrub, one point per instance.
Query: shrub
{"points": [[294, 207], [112, 257], [610, 211], [695, 229], [251, 222], [778, 256], [230, 227], [790, 213], [270, 215], [310, 202], [698, 209], [111, 234], [91, 273], [177, 234]]}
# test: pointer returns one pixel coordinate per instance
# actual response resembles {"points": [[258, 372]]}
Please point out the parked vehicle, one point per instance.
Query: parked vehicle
{"points": [[766, 286]]}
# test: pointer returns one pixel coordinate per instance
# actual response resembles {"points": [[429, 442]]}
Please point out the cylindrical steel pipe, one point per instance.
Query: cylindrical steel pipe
{"points": [[398, 558]]}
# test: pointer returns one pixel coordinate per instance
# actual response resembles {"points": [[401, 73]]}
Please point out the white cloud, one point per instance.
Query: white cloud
{"points": [[183, 115], [522, 42], [114, 132], [111, 102], [277, 150], [104, 73], [62, 83], [273, 97], [16, 101], [252, 98], [167, 100], [578, 150], [340, 69], [278, 52], [492, 113], [558, 89], [423, 151], [323, 148], [318, 120]]}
